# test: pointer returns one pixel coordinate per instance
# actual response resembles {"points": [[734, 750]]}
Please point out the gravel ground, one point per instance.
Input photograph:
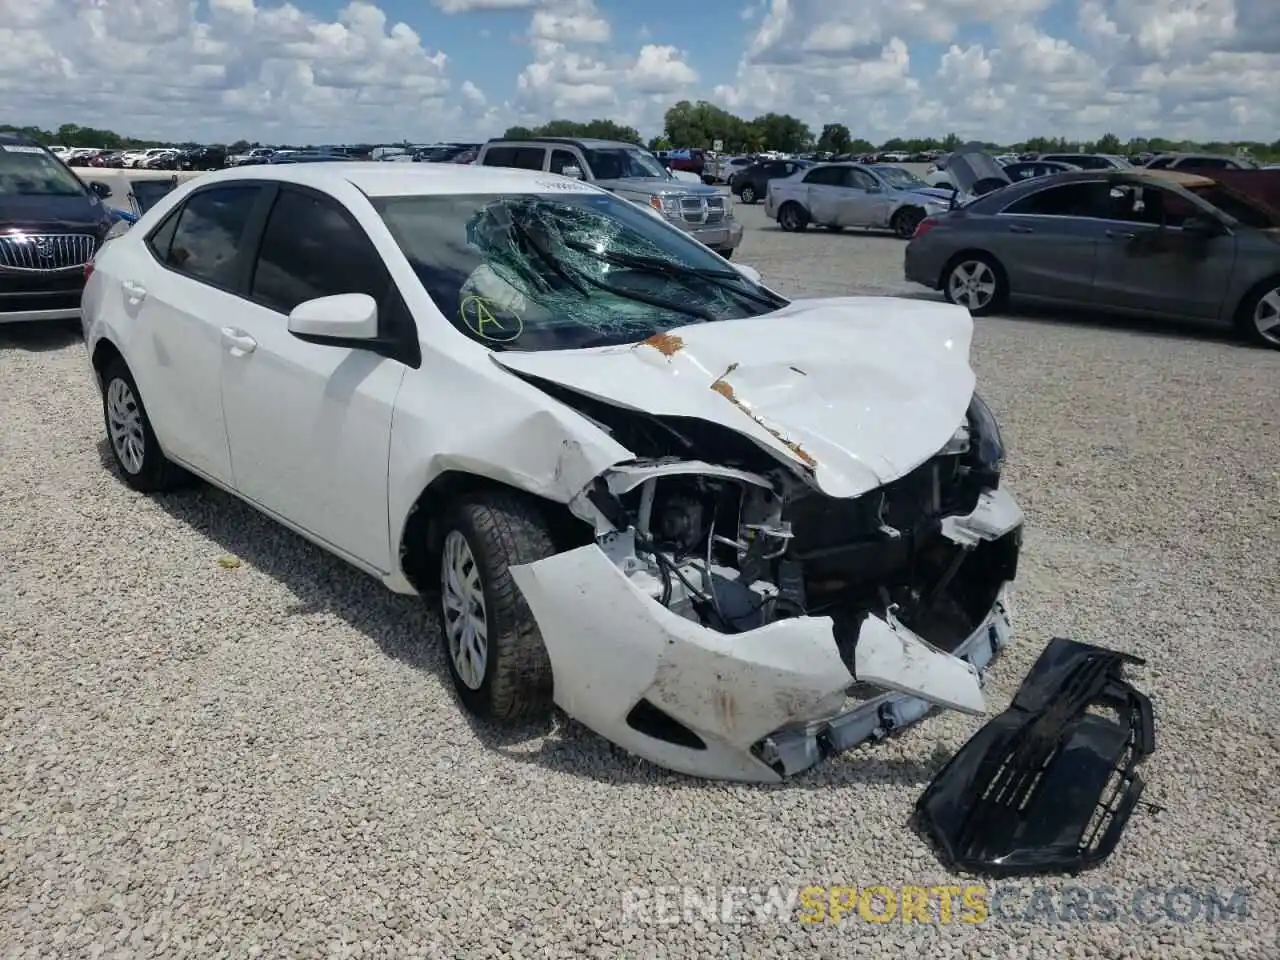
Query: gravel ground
{"points": [[209, 758]]}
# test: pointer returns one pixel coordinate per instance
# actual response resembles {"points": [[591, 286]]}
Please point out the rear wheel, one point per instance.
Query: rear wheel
{"points": [[494, 649], [748, 193], [975, 281], [1259, 315], [792, 217], [134, 447]]}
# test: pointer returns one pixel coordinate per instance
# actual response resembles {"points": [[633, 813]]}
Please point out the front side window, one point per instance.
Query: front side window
{"points": [[898, 177], [1088, 199], [615, 163], [561, 159], [858, 179], [27, 170], [563, 270], [210, 234], [310, 249]]}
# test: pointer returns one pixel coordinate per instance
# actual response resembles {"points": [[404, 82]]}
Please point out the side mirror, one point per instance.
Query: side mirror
{"points": [[100, 189], [345, 320], [571, 171], [751, 273]]}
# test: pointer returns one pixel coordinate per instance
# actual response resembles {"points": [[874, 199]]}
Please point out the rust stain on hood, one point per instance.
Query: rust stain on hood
{"points": [[725, 389], [665, 343]]}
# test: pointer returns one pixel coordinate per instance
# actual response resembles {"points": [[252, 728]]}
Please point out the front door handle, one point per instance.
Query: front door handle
{"points": [[1020, 228], [134, 290], [239, 343], [1119, 235]]}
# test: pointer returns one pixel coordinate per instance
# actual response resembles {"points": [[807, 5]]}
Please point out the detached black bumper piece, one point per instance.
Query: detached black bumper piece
{"points": [[1049, 785]]}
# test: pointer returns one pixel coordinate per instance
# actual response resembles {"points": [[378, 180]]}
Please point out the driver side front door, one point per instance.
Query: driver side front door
{"points": [[1148, 263], [308, 424]]}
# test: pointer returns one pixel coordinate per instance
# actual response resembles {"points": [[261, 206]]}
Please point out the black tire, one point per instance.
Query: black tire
{"points": [[727, 254], [709, 181], [972, 263], [501, 530], [793, 218], [1247, 315], [152, 471], [905, 221], [834, 227], [748, 194]]}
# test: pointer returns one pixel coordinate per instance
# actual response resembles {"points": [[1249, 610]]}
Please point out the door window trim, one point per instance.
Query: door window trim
{"points": [[400, 345]]}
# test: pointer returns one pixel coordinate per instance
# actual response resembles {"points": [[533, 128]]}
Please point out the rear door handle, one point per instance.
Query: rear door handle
{"points": [[1020, 228], [1118, 235], [134, 290], [238, 342]]}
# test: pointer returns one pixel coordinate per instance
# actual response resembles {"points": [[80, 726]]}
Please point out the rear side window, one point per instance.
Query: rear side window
{"points": [[210, 234], [147, 192], [825, 176], [311, 248]]}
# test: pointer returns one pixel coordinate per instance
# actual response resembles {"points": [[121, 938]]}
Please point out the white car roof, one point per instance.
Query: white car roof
{"points": [[376, 179]]}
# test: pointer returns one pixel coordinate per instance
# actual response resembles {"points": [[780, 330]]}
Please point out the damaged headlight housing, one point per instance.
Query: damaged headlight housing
{"points": [[988, 444]]}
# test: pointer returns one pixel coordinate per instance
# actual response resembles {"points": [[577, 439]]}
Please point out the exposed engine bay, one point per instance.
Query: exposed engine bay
{"points": [[734, 550]]}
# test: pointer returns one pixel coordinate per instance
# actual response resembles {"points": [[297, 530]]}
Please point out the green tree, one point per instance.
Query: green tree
{"points": [[835, 138], [593, 129], [1108, 143], [781, 131]]}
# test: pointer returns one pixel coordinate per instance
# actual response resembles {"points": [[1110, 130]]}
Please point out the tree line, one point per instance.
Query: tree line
{"points": [[701, 125]]}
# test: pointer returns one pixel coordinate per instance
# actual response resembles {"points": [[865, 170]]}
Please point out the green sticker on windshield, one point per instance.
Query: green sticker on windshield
{"points": [[477, 313]]}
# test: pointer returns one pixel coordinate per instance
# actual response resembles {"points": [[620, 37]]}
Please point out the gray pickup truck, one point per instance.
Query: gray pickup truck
{"points": [[632, 172]]}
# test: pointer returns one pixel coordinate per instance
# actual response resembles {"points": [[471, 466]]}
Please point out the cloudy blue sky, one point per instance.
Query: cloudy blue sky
{"points": [[330, 70]]}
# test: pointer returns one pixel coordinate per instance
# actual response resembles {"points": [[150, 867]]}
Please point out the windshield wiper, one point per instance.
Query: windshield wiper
{"points": [[546, 256], [669, 268]]}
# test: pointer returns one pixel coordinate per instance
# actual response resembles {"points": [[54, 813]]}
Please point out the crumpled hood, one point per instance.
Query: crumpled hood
{"points": [[853, 392]]}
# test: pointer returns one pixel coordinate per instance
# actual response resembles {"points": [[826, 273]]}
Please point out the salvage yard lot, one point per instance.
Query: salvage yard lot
{"points": [[217, 738]]}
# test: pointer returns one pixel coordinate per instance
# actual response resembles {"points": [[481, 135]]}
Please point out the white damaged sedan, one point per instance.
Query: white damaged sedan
{"points": [[730, 532]]}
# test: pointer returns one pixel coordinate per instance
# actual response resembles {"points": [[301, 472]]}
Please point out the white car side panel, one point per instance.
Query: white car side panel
{"points": [[173, 352], [310, 431]]}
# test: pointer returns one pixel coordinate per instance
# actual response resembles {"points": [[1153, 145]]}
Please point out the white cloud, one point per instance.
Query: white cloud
{"points": [[995, 69]]}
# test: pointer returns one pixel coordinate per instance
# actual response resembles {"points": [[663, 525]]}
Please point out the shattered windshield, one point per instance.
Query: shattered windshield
{"points": [[561, 271], [30, 171], [615, 163], [898, 177]]}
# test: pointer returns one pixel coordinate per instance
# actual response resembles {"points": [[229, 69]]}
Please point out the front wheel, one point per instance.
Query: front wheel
{"points": [[494, 649], [1259, 316], [748, 194], [906, 221], [976, 281]]}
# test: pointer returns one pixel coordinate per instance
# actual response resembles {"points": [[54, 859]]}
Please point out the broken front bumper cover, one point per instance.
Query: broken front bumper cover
{"points": [[756, 706], [1050, 784]]}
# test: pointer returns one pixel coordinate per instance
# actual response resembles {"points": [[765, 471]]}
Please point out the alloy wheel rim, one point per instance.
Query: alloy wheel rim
{"points": [[748, 194], [907, 224], [1266, 316], [972, 284], [465, 622], [124, 424]]}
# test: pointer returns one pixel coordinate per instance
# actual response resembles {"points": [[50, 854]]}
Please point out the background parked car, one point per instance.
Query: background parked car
{"points": [[1090, 161], [839, 195], [1199, 161], [1028, 169], [1147, 242], [752, 183]]}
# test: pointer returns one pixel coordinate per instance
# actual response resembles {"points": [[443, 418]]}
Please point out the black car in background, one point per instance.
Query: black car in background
{"points": [[446, 153], [51, 225], [752, 184]]}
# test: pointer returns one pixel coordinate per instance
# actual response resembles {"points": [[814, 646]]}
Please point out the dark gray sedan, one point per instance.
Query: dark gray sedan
{"points": [[1144, 242]]}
